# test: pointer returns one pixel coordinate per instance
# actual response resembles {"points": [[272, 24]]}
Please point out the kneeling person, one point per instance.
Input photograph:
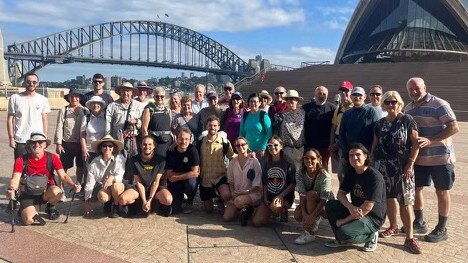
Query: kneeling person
{"points": [[33, 176], [146, 170], [105, 174]]}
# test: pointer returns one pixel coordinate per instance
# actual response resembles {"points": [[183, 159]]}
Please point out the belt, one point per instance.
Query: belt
{"points": [[159, 133]]}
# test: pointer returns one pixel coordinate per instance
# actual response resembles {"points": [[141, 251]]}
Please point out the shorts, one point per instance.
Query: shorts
{"points": [[72, 152], [443, 176], [208, 193], [288, 198], [30, 200]]}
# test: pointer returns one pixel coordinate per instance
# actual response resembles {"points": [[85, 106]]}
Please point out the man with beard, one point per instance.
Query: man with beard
{"points": [[318, 123], [27, 112]]}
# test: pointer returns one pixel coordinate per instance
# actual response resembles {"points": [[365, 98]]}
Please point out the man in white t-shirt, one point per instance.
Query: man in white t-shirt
{"points": [[375, 95], [27, 112]]}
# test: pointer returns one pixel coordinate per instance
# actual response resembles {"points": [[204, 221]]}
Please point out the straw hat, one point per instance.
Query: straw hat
{"points": [[95, 99], [265, 94], [293, 94], [95, 144], [76, 92], [125, 85], [38, 136]]}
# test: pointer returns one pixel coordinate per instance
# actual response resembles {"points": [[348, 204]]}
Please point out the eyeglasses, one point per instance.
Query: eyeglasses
{"points": [[273, 145], [342, 91], [241, 144], [31, 82], [390, 102], [227, 88], [108, 146], [279, 93], [356, 95], [375, 94], [159, 96], [98, 81]]}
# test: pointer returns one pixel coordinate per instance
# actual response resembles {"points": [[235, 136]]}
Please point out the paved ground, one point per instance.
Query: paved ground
{"points": [[201, 237]]}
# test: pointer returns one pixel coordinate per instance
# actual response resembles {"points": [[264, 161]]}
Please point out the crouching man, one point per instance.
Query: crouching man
{"points": [[149, 189], [33, 177]]}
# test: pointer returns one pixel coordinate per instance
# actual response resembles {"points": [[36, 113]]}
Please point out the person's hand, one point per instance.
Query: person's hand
{"points": [[13, 143], [10, 194], [172, 179], [261, 153], [87, 208], [85, 154], [147, 206], [108, 182], [409, 171], [423, 142], [355, 211], [340, 222], [77, 188], [59, 149]]}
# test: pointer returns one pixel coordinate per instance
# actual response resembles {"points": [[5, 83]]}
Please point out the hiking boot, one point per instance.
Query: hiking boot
{"points": [[389, 232], [413, 246], [52, 212], [188, 209], [245, 214], [417, 228], [436, 235], [284, 216], [107, 207], [221, 206], [304, 238], [336, 244], [114, 211], [371, 245], [38, 218]]}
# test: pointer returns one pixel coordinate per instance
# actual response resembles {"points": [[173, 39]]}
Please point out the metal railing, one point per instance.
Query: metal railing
{"points": [[314, 63]]}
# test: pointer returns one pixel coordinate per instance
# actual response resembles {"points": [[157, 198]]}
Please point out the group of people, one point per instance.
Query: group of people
{"points": [[247, 156]]}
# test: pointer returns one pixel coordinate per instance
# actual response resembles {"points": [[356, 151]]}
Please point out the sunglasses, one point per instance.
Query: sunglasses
{"points": [[241, 144], [108, 145], [375, 94], [227, 88], [390, 102], [159, 96], [34, 142], [356, 95], [273, 145], [279, 93], [98, 81]]}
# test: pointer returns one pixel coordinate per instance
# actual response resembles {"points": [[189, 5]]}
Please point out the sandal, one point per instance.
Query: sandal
{"points": [[389, 232], [413, 246]]}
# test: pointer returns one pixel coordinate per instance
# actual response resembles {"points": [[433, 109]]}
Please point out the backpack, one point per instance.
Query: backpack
{"points": [[262, 118]]}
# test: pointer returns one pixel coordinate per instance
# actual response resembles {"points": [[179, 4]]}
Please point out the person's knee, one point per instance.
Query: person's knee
{"points": [[239, 203], [165, 197], [312, 196], [258, 222]]}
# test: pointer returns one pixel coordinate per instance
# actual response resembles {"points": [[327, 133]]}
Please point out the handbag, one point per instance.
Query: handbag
{"points": [[35, 185], [99, 185]]}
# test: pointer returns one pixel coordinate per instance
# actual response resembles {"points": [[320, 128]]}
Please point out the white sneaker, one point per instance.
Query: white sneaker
{"points": [[317, 223], [304, 238], [371, 246]]}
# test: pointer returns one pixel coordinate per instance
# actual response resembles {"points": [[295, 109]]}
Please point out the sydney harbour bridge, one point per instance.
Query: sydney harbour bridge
{"points": [[139, 43]]}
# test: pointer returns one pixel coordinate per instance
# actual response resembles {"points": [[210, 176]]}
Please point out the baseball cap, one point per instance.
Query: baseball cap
{"points": [[346, 85], [358, 90]]}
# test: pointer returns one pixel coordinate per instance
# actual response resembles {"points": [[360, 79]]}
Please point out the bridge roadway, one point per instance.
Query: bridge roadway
{"points": [[200, 237]]}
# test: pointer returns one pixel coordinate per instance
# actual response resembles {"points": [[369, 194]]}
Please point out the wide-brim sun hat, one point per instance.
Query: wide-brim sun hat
{"points": [[107, 138], [265, 94], [74, 91], [38, 136], [144, 85], [95, 99], [293, 94], [125, 85]]}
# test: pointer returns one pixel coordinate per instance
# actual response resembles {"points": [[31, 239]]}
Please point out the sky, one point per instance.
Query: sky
{"points": [[286, 32]]}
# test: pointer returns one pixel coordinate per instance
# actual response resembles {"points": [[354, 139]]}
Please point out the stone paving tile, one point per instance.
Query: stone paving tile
{"points": [[241, 254]]}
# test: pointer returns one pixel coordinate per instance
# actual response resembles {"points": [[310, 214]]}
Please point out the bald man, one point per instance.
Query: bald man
{"points": [[437, 124]]}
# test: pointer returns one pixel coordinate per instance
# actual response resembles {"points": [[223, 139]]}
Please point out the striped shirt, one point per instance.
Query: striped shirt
{"points": [[432, 115]]}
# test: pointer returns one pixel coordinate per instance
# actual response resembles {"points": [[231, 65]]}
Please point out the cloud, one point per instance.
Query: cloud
{"points": [[203, 15], [339, 23], [333, 10]]}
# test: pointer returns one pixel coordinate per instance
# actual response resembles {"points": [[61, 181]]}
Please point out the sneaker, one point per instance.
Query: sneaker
{"points": [[371, 246], [38, 219], [107, 207], [284, 216], [413, 246], [52, 212], [245, 214], [114, 213], [304, 238], [389, 232], [188, 209], [317, 223], [336, 243], [436, 235], [221, 206], [417, 228]]}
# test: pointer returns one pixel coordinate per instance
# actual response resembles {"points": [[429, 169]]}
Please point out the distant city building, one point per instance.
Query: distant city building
{"points": [[81, 79], [115, 81], [264, 64], [108, 84], [405, 31], [177, 83], [254, 64]]}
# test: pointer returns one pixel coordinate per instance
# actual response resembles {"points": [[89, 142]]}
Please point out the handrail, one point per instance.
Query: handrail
{"points": [[249, 79], [314, 63]]}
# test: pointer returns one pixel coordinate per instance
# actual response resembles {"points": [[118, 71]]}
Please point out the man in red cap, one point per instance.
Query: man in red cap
{"points": [[346, 103]]}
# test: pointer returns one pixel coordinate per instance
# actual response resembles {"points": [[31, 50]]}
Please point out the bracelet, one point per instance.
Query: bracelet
{"points": [[11, 188]]}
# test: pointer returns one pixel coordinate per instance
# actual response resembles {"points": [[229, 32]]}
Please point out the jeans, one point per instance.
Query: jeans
{"points": [[356, 231], [179, 188]]}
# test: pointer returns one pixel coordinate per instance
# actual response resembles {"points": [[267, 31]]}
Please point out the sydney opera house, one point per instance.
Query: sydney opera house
{"points": [[387, 42]]}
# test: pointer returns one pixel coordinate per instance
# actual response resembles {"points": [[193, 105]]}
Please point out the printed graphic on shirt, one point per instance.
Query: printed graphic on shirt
{"points": [[276, 180], [357, 191]]}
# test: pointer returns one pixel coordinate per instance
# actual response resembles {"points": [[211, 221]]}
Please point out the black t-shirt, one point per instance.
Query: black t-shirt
{"points": [[147, 170], [182, 162], [105, 96], [317, 124], [277, 176], [368, 186]]}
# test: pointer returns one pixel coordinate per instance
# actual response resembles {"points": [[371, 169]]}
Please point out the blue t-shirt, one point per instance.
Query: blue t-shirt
{"points": [[252, 129]]}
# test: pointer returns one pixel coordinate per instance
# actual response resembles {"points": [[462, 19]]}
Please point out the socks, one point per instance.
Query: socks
{"points": [[442, 222], [418, 217]]}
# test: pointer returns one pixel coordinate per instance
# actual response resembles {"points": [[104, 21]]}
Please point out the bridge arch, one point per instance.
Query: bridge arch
{"points": [[134, 42]]}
